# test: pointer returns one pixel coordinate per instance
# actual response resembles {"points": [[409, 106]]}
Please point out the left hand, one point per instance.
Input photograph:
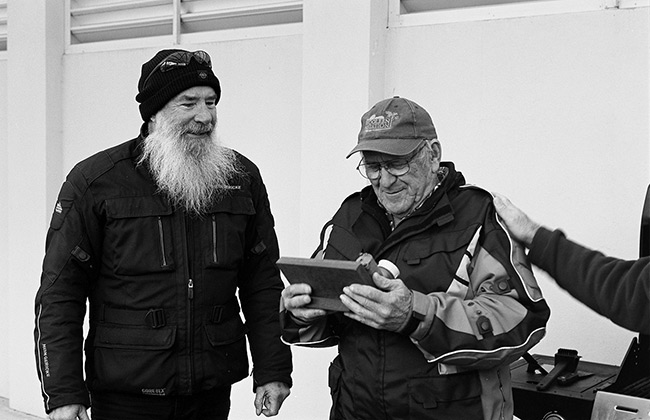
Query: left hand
{"points": [[384, 308], [269, 398]]}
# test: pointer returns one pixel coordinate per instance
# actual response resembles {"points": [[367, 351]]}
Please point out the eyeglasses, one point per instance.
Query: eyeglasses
{"points": [[395, 167], [179, 59]]}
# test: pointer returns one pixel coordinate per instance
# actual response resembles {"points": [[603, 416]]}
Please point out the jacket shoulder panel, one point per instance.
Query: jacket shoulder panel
{"points": [[476, 190], [349, 210], [98, 164]]}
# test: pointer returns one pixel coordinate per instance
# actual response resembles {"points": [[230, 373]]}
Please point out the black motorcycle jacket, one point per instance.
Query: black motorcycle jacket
{"points": [[164, 288]]}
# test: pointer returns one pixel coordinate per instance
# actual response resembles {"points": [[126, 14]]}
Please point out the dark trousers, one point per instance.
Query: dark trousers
{"points": [[209, 405]]}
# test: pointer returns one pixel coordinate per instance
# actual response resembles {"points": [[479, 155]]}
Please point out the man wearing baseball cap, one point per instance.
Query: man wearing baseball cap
{"points": [[167, 236], [436, 341]]}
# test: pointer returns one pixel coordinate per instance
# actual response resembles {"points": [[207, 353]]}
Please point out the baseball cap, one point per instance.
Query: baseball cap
{"points": [[395, 126]]}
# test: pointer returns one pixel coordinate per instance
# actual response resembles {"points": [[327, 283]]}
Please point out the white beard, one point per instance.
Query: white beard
{"points": [[192, 172]]}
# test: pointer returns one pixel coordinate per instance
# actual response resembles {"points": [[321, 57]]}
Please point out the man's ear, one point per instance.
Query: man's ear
{"points": [[151, 125], [436, 150]]}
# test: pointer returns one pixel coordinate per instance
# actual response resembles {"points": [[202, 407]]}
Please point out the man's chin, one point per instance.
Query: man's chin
{"points": [[395, 206]]}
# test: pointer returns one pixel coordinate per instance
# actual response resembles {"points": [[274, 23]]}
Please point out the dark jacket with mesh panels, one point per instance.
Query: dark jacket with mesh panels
{"points": [[482, 309]]}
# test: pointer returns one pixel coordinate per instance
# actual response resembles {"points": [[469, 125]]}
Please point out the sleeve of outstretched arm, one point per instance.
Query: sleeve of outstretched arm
{"points": [[493, 311], [618, 289]]}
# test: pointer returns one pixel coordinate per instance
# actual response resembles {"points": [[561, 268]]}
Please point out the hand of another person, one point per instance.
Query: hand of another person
{"points": [[517, 222], [384, 308], [69, 412], [269, 398], [294, 299]]}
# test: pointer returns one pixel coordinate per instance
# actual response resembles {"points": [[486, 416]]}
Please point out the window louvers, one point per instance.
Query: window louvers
{"points": [[101, 20]]}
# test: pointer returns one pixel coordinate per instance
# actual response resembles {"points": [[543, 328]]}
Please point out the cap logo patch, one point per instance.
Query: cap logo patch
{"points": [[381, 122], [58, 208], [203, 74]]}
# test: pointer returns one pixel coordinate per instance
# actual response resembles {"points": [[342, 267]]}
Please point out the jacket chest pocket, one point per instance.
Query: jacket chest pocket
{"points": [[227, 239], [138, 236], [449, 397], [435, 260]]}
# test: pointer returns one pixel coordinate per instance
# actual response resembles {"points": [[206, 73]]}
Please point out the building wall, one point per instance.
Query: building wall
{"points": [[4, 246], [549, 110]]}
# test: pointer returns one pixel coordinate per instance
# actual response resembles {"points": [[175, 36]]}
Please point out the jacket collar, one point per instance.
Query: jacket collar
{"points": [[436, 210]]}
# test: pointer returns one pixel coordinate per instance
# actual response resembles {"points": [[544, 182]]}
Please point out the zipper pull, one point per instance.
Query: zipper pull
{"points": [[190, 289]]}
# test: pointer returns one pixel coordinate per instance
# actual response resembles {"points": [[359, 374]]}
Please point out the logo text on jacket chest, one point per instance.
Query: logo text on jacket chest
{"points": [[158, 392]]}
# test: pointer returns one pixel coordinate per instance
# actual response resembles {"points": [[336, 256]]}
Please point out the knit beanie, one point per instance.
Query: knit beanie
{"points": [[157, 87]]}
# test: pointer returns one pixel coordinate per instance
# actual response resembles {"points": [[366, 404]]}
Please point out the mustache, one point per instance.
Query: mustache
{"points": [[197, 128]]}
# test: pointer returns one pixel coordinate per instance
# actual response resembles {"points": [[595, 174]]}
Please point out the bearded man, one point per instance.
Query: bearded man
{"points": [[159, 235]]}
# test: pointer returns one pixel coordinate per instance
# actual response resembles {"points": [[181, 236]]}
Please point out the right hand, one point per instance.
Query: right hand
{"points": [[69, 412], [294, 299]]}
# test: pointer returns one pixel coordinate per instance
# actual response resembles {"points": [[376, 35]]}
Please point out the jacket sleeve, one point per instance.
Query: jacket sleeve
{"points": [[615, 288], [259, 291], [493, 312], [60, 303], [316, 334]]}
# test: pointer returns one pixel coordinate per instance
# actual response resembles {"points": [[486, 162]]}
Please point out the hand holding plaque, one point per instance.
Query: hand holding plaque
{"points": [[327, 278]]}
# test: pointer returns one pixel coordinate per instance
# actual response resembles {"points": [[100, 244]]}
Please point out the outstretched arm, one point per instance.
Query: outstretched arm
{"points": [[615, 288]]}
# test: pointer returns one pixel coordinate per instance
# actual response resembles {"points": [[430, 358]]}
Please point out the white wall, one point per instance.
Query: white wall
{"points": [[549, 110], [33, 171], [5, 281]]}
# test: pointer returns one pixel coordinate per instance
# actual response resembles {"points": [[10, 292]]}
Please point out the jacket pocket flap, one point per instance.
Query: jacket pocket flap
{"points": [[225, 332], [125, 207], [235, 204], [135, 338], [433, 390], [446, 241]]}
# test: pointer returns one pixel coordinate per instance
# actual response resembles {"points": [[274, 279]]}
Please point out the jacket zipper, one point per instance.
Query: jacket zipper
{"points": [[503, 397], [215, 259], [190, 303], [162, 242], [382, 389]]}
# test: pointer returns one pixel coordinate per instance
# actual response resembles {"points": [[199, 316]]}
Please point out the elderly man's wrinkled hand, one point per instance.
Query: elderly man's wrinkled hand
{"points": [[69, 412], [294, 299], [269, 398], [385, 307]]}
